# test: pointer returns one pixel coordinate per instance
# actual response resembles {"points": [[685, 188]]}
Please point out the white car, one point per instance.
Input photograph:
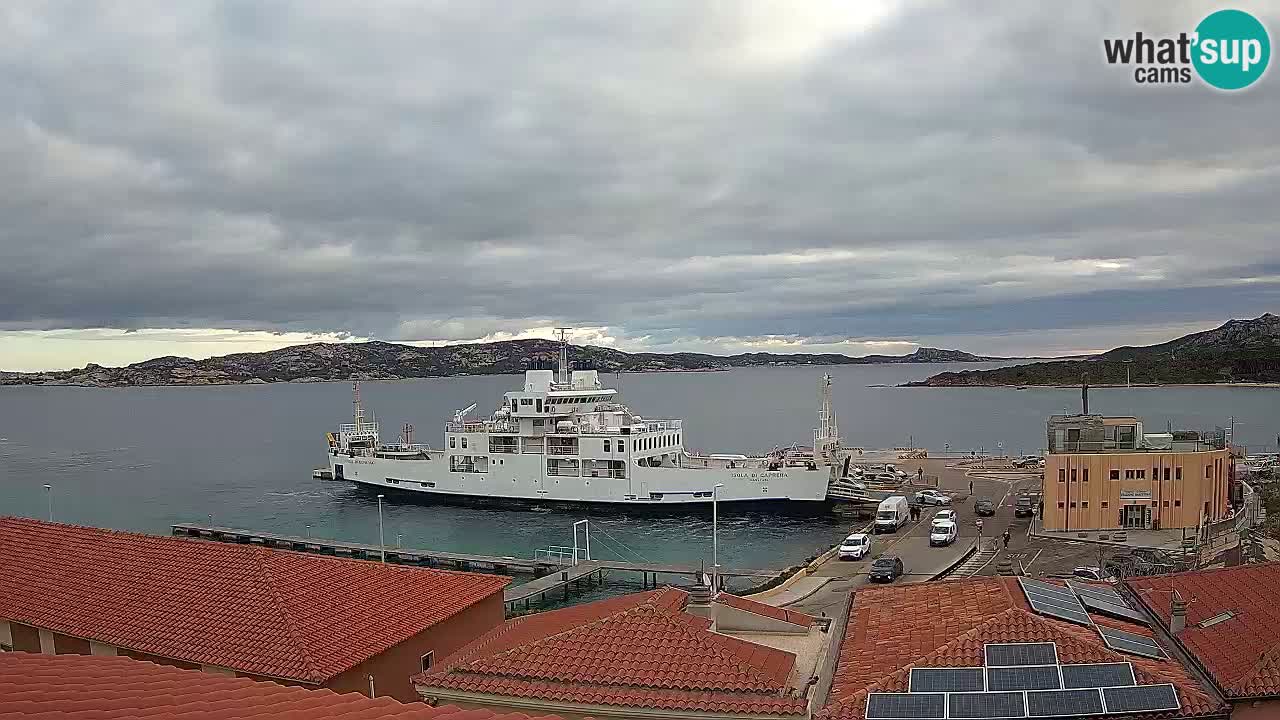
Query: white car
{"points": [[855, 547], [944, 516], [943, 533], [932, 497], [886, 478]]}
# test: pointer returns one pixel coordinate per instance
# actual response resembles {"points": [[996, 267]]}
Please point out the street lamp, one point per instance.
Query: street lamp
{"points": [[48, 491], [308, 535], [381, 543], [715, 537]]}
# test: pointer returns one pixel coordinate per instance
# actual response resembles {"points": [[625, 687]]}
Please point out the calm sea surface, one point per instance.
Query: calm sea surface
{"points": [[143, 458]]}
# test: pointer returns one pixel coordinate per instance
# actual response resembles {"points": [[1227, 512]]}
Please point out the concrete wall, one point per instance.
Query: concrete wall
{"points": [[1080, 494], [392, 669]]}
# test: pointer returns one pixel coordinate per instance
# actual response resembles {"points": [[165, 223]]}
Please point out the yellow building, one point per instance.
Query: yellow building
{"points": [[1104, 473]]}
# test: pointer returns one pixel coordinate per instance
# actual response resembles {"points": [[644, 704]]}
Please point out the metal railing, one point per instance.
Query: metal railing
{"points": [[562, 450], [558, 554]]}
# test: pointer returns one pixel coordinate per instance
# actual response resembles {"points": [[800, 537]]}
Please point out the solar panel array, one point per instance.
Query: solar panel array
{"points": [[1127, 642], [1055, 601], [1022, 680], [1106, 601]]}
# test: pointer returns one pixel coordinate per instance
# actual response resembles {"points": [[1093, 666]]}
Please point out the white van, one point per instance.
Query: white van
{"points": [[892, 514]]}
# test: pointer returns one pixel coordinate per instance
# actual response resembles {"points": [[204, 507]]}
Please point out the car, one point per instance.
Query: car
{"points": [[1093, 573], [942, 533], [932, 497], [983, 507], [944, 516], [886, 478], [1028, 461], [855, 547], [886, 568], [1024, 507]]}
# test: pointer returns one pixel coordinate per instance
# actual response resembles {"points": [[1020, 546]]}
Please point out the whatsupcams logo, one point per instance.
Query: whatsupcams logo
{"points": [[1229, 50]]}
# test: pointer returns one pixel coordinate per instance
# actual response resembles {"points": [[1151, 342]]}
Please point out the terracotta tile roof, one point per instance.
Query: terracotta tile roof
{"points": [[1241, 652], [945, 624], [267, 612], [83, 687], [638, 650], [769, 611]]}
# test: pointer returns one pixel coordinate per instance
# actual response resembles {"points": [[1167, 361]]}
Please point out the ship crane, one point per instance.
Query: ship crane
{"points": [[461, 415]]}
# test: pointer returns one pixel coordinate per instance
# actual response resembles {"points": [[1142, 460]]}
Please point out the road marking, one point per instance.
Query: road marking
{"points": [[1033, 559]]}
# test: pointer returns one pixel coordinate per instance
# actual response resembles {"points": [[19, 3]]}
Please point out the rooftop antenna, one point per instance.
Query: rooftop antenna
{"points": [[562, 374]]}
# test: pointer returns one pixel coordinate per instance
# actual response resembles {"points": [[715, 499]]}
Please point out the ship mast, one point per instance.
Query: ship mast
{"points": [[828, 432], [359, 409], [562, 372]]}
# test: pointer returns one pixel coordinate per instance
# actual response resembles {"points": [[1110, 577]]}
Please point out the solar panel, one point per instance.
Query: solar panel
{"points": [[1141, 698], [1129, 643], [1097, 675], [1026, 677], [1098, 591], [1045, 588], [917, 706], [1064, 703], [1124, 612], [987, 705], [1007, 654], [1080, 617], [947, 680]]}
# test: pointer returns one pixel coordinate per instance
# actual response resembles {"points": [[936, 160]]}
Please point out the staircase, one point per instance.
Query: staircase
{"points": [[976, 561]]}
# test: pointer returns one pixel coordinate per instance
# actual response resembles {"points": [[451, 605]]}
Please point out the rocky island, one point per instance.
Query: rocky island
{"points": [[319, 362]]}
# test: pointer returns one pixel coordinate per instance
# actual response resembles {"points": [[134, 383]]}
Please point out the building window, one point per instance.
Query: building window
{"points": [[1062, 474], [1208, 471], [1073, 505], [427, 660], [1128, 474], [1105, 504], [622, 446], [538, 406], [1073, 474], [1177, 503], [1115, 474], [1060, 506], [1142, 473], [1166, 474], [1085, 475], [1177, 473], [453, 442], [464, 443], [606, 446], [1166, 503], [1084, 505]]}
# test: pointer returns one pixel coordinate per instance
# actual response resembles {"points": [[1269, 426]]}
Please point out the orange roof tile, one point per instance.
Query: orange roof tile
{"points": [[83, 687], [267, 612], [946, 624], [769, 611], [638, 650], [1241, 652]]}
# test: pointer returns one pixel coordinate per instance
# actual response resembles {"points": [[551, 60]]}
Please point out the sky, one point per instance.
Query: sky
{"points": [[200, 178]]}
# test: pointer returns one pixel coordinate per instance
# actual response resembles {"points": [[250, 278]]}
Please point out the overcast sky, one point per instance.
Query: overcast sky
{"points": [[197, 178]]}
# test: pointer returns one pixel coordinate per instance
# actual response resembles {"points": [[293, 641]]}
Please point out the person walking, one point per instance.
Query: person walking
{"points": [[1006, 539], [970, 487]]}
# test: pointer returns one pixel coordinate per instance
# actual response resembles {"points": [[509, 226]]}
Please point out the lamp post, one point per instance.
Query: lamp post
{"points": [[48, 492], [381, 542], [308, 536], [715, 537]]}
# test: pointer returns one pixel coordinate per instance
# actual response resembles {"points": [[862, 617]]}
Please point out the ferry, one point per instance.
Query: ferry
{"points": [[565, 438]]}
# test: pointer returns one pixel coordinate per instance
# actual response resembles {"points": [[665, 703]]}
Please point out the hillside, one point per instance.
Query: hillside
{"points": [[1240, 351], [390, 361]]}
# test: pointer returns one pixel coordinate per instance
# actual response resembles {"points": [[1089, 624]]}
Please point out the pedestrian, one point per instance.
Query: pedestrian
{"points": [[970, 487], [1006, 539]]}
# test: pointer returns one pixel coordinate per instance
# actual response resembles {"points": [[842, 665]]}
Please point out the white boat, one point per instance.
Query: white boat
{"points": [[564, 437]]}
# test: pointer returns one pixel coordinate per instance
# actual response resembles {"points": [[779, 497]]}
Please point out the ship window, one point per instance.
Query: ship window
{"points": [[464, 443], [606, 446], [622, 446], [453, 442], [538, 405], [513, 404]]}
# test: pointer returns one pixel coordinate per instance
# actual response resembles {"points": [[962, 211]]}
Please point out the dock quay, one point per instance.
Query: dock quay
{"points": [[549, 574]]}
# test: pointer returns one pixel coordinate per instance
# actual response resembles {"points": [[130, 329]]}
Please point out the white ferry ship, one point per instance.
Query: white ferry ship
{"points": [[565, 438]]}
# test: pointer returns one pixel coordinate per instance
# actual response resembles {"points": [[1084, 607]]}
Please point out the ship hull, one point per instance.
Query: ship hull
{"points": [[518, 479]]}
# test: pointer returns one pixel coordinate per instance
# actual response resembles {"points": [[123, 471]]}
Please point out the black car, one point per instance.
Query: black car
{"points": [[1025, 507], [886, 568], [984, 507]]}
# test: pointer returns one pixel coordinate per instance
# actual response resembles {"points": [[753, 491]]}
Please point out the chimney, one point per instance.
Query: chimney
{"points": [[700, 603], [1177, 614], [1084, 392]]}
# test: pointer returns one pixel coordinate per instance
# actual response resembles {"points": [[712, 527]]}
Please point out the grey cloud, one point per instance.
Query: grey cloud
{"points": [[670, 170]]}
